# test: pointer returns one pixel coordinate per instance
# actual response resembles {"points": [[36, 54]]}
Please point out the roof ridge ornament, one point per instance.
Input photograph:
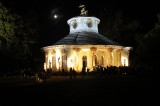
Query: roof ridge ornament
{"points": [[84, 12]]}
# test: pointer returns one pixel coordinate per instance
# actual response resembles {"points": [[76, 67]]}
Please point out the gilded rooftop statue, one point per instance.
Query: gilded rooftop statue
{"points": [[84, 12]]}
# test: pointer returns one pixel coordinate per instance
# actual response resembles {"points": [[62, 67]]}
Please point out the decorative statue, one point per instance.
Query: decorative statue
{"points": [[84, 12]]}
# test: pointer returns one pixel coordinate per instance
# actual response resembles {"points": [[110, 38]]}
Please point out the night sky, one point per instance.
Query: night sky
{"points": [[52, 30]]}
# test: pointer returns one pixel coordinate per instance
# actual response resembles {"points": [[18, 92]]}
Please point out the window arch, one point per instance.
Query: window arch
{"points": [[102, 61], [84, 63]]}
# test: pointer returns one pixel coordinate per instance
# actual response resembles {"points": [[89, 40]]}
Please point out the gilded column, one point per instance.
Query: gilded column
{"points": [[119, 57], [110, 56], [46, 60], [93, 49], [53, 60], [77, 50], [128, 57]]}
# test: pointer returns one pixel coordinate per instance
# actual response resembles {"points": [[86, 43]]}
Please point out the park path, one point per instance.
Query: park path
{"points": [[60, 90]]}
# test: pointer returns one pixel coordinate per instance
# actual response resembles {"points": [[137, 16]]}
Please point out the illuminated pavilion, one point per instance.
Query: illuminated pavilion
{"points": [[84, 48]]}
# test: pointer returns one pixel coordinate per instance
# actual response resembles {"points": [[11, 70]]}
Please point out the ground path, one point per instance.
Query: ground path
{"points": [[60, 90]]}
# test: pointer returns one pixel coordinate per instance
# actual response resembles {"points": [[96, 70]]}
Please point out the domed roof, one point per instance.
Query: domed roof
{"points": [[85, 38], [84, 31]]}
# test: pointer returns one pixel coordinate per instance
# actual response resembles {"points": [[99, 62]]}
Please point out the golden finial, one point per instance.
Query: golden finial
{"points": [[84, 12]]}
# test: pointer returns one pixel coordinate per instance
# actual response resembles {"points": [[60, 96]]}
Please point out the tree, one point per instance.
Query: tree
{"points": [[17, 41], [6, 28], [148, 50]]}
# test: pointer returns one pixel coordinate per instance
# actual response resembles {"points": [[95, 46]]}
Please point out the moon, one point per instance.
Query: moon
{"points": [[55, 16]]}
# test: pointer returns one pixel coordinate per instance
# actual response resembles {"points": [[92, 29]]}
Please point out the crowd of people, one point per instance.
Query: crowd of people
{"points": [[97, 72]]}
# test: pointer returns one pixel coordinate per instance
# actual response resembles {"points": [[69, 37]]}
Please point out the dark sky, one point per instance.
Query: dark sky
{"points": [[52, 30]]}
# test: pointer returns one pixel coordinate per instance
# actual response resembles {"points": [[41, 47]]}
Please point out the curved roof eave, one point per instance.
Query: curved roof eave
{"points": [[85, 38]]}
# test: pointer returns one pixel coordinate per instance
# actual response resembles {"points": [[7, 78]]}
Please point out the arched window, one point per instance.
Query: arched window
{"points": [[84, 63], [102, 61], [95, 59]]}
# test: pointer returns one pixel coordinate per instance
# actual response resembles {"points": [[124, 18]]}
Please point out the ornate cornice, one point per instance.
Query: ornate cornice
{"points": [[76, 49], [93, 48], [110, 49]]}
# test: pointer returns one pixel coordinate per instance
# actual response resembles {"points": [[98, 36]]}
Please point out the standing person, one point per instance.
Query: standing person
{"points": [[70, 73]]}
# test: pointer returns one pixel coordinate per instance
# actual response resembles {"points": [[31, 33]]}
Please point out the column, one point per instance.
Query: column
{"points": [[128, 57], [46, 60], [119, 57], [93, 49], [110, 56], [77, 50], [54, 60]]}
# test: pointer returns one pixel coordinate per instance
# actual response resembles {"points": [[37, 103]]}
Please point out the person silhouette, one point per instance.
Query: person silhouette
{"points": [[71, 73]]}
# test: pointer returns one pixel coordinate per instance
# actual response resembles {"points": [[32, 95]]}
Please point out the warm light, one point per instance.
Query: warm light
{"points": [[49, 61], [72, 60], [59, 63], [124, 61], [45, 66], [50, 58], [112, 54], [85, 49], [72, 63], [58, 59]]}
